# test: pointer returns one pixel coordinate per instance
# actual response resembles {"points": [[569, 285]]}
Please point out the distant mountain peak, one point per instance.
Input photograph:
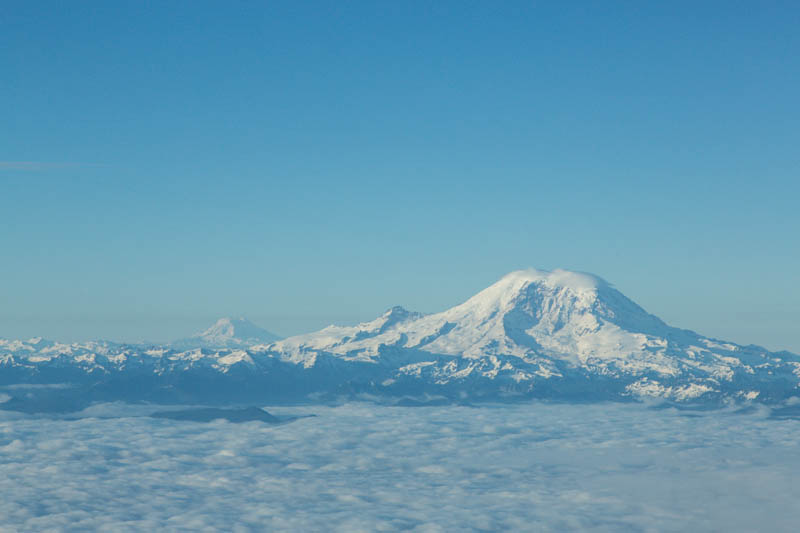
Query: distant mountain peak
{"points": [[228, 327], [230, 332]]}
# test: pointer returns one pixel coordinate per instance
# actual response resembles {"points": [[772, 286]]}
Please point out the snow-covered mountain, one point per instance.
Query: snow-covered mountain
{"points": [[559, 334], [228, 333]]}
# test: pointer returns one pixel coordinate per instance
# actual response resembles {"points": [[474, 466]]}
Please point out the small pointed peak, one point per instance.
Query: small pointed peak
{"points": [[397, 310], [395, 315], [399, 313]]}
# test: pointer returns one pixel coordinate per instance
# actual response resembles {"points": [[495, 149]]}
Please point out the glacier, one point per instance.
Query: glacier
{"points": [[558, 335]]}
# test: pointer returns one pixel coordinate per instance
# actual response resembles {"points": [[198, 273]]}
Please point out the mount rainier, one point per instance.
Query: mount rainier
{"points": [[533, 334]]}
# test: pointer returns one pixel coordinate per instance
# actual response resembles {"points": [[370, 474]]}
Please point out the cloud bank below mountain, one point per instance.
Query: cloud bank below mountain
{"points": [[366, 467]]}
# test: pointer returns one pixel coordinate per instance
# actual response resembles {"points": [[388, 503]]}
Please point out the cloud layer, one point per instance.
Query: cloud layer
{"points": [[364, 467]]}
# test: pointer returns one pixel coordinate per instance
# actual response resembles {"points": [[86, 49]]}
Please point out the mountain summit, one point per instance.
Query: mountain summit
{"points": [[536, 329], [559, 314], [533, 333]]}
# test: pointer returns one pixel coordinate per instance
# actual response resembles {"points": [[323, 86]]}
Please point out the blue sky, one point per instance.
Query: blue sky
{"points": [[306, 163]]}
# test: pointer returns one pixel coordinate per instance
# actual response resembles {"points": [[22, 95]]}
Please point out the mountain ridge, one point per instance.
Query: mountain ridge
{"points": [[533, 333]]}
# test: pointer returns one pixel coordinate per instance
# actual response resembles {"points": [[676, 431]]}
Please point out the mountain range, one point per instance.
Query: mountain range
{"points": [[533, 334]]}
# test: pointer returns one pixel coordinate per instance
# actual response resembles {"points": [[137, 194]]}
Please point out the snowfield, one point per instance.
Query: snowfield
{"points": [[355, 467]]}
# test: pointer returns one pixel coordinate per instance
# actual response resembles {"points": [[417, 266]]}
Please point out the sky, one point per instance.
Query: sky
{"points": [[308, 163]]}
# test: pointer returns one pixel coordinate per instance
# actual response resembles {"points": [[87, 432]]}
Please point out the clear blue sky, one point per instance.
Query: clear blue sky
{"points": [[166, 163]]}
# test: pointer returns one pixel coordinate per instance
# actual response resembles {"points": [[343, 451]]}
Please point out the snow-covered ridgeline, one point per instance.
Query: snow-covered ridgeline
{"points": [[533, 333]]}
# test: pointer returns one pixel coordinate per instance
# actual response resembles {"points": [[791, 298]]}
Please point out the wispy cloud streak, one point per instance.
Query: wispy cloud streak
{"points": [[41, 165]]}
